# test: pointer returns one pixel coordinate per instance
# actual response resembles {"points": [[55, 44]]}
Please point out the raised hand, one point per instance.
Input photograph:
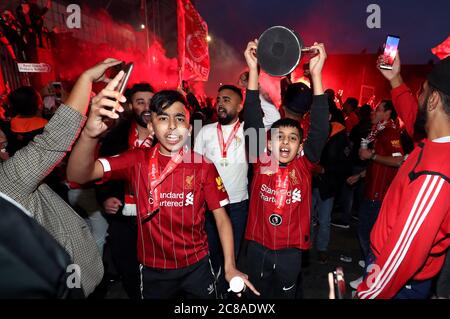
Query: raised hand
{"points": [[316, 63], [250, 54], [97, 72], [104, 105], [392, 75]]}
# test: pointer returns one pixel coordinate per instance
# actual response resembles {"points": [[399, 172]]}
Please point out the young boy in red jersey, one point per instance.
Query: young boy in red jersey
{"points": [[278, 225], [171, 184]]}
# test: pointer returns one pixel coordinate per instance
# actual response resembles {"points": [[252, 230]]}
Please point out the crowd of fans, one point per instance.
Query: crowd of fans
{"points": [[269, 196], [24, 30]]}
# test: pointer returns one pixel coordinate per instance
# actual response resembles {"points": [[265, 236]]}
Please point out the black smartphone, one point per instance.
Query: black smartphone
{"points": [[127, 69], [114, 70], [390, 51], [339, 283]]}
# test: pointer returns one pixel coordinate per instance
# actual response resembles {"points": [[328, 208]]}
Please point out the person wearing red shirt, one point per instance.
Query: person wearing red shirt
{"points": [[172, 185], [351, 118], [411, 236], [116, 197], [385, 156], [278, 225]]}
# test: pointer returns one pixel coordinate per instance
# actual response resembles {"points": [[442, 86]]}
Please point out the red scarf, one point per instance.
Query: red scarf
{"points": [[378, 128]]}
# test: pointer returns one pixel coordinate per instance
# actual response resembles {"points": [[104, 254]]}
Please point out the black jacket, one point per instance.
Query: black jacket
{"points": [[335, 160]]}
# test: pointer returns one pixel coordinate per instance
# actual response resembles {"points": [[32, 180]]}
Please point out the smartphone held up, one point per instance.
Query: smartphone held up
{"points": [[390, 52], [127, 68]]}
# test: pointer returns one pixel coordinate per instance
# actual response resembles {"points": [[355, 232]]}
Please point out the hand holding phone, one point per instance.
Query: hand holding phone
{"points": [[127, 70], [390, 52], [103, 108]]}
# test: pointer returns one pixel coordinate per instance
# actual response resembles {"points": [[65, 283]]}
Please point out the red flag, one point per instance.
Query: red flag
{"points": [[442, 50], [193, 54]]}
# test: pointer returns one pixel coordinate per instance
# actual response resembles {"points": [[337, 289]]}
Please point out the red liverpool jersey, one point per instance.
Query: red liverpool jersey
{"points": [[379, 176], [175, 237], [291, 227]]}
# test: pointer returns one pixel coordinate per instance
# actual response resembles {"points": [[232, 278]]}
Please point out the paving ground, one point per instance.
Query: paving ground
{"points": [[315, 282], [315, 275]]}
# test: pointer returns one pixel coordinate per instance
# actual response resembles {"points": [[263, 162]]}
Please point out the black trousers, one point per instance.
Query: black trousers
{"points": [[122, 242], [274, 273], [193, 282]]}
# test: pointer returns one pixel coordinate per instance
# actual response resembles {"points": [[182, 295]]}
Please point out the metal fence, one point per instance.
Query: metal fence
{"points": [[10, 71]]}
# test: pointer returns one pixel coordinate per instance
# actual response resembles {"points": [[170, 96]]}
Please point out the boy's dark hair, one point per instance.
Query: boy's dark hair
{"points": [[288, 122], [164, 99], [233, 88], [24, 101], [388, 106], [140, 87]]}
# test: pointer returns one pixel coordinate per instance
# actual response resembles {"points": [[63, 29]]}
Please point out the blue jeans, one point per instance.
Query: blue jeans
{"points": [[415, 290], [323, 208], [238, 216], [368, 214]]}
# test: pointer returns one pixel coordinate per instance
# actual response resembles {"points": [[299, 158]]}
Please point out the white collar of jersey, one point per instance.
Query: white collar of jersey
{"points": [[444, 139]]}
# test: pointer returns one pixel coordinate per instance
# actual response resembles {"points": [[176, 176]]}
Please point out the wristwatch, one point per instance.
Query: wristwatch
{"points": [[373, 156]]}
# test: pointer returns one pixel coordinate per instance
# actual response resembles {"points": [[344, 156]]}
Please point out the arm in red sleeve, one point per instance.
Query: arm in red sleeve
{"points": [[406, 106], [423, 209]]}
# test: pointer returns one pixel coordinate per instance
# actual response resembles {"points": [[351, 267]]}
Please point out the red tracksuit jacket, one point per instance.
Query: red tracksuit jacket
{"points": [[411, 234]]}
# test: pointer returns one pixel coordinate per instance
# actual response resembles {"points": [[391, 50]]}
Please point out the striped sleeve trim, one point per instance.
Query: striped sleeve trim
{"points": [[422, 206]]}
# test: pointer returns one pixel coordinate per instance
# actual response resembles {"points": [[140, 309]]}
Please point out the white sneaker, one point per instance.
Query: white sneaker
{"points": [[362, 263], [355, 283]]}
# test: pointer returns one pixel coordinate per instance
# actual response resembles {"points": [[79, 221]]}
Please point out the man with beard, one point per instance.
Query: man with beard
{"points": [[116, 197], [385, 156], [224, 144], [411, 235]]}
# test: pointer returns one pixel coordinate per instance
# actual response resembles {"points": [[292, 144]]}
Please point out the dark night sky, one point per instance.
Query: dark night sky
{"points": [[341, 25]]}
